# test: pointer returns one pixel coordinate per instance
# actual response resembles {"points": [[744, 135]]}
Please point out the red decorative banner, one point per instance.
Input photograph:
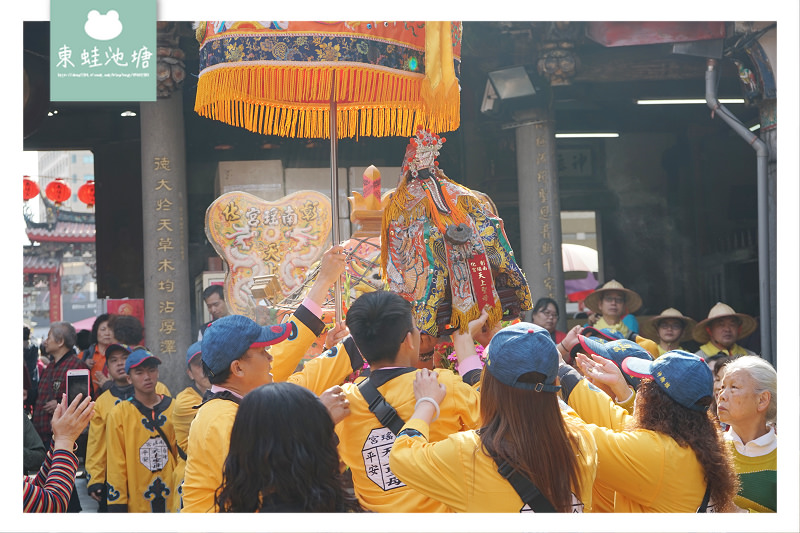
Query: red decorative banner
{"points": [[482, 282]]}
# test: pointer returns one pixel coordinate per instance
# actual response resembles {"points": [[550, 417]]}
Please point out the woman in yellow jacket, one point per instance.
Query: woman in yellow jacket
{"points": [[668, 457], [524, 433]]}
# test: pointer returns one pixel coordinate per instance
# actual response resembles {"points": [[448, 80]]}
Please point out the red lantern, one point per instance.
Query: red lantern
{"points": [[29, 188], [58, 191], [86, 193]]}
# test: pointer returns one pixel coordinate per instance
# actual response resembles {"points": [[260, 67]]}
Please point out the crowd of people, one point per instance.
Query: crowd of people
{"points": [[610, 416]]}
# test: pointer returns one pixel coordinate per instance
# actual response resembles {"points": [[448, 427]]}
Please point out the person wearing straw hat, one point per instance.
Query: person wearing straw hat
{"points": [[719, 332], [669, 329], [615, 304]]}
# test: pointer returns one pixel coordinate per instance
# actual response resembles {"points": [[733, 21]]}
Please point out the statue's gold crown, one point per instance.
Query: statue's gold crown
{"points": [[422, 150]]}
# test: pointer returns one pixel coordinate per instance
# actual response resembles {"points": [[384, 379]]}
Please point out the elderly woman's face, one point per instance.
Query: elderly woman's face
{"points": [[737, 400]]}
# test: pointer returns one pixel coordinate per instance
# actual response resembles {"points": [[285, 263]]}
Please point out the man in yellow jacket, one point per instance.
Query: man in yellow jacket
{"points": [[120, 390], [720, 331], [185, 402], [140, 444], [236, 361], [382, 325]]}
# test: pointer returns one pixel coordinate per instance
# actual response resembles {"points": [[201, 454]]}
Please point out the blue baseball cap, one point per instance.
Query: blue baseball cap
{"points": [[685, 377], [617, 351], [521, 348], [193, 351], [120, 346], [137, 357], [604, 334], [228, 338]]}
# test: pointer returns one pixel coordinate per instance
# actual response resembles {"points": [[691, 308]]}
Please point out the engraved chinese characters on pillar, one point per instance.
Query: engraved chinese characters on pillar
{"points": [[376, 459], [166, 223], [545, 213], [256, 237]]}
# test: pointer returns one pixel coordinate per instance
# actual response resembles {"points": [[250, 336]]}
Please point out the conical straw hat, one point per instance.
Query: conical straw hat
{"points": [[650, 328], [721, 310], [632, 300]]}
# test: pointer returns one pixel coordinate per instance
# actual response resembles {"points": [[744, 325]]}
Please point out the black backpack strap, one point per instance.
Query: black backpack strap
{"points": [[704, 506], [384, 412], [181, 453], [527, 491], [222, 395]]}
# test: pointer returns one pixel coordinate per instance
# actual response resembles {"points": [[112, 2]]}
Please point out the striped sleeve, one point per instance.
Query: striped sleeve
{"points": [[49, 492]]}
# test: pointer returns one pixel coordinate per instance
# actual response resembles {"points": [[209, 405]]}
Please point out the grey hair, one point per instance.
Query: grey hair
{"points": [[763, 374], [64, 331]]}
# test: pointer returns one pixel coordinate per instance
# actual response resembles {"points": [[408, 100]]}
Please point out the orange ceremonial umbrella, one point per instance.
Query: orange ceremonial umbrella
{"points": [[288, 78]]}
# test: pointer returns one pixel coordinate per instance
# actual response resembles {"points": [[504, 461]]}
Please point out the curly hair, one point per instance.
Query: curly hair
{"points": [[127, 329], [655, 411], [283, 455], [527, 430]]}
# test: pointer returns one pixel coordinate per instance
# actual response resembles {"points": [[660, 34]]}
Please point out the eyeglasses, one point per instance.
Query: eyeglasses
{"points": [[548, 314], [615, 299]]}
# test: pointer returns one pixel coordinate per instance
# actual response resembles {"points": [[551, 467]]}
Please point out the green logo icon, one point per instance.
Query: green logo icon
{"points": [[103, 50]]}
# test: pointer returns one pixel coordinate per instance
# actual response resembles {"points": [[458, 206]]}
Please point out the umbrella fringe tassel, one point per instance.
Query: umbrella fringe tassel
{"points": [[291, 101]]}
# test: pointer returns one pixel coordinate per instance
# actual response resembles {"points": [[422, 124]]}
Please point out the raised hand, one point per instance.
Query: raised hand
{"points": [[331, 267], [605, 373], [336, 334], [70, 420], [336, 403]]}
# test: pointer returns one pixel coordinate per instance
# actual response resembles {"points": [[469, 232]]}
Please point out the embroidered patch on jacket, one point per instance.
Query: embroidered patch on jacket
{"points": [[154, 454], [376, 459]]}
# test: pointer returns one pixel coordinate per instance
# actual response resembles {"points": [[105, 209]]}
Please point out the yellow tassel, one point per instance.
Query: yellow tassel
{"points": [[246, 96], [461, 320]]}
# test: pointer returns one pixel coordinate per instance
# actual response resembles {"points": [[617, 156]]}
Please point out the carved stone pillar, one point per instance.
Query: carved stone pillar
{"points": [[539, 206], [166, 271]]}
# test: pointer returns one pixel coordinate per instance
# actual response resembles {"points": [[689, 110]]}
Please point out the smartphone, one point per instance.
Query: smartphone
{"points": [[77, 382]]}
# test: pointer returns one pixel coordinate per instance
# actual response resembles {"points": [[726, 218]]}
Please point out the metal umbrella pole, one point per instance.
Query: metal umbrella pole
{"points": [[337, 290]]}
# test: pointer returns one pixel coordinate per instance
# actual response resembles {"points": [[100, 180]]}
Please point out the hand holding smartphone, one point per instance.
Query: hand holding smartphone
{"points": [[77, 382]]}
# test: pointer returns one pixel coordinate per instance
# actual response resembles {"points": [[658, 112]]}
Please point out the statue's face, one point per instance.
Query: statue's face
{"points": [[427, 343], [422, 174]]}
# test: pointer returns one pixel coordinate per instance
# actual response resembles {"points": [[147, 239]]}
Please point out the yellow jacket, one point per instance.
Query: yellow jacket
{"points": [[209, 440], [708, 349], [182, 415], [456, 471], [364, 444], [141, 466], [649, 471], [209, 435], [96, 440], [184, 412]]}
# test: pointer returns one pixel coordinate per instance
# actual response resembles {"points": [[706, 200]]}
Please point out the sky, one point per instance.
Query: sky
{"points": [[786, 12]]}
